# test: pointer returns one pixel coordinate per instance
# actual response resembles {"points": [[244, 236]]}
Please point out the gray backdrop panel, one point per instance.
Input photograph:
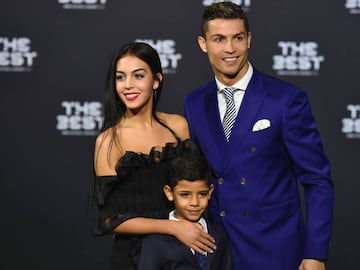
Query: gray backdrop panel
{"points": [[54, 57]]}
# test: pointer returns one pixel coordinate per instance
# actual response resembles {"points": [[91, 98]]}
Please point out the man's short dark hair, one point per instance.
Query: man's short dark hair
{"points": [[223, 10]]}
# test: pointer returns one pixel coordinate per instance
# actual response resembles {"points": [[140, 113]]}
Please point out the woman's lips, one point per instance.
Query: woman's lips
{"points": [[131, 96]]}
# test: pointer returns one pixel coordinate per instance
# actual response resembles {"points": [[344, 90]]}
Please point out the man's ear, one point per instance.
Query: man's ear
{"points": [[168, 193], [249, 40], [202, 43], [212, 187]]}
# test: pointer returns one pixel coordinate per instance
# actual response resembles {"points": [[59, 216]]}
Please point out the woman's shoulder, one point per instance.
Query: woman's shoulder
{"points": [[103, 134], [104, 137], [105, 154], [177, 123], [170, 116]]}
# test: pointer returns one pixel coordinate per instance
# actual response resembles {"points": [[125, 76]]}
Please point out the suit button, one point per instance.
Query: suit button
{"points": [[221, 180], [247, 213], [253, 149], [243, 181], [222, 214], [206, 148]]}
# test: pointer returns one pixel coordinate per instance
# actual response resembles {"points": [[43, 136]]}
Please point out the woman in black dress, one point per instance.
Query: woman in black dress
{"points": [[131, 156]]}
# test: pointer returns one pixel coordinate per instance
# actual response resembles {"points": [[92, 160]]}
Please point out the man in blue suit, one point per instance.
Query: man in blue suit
{"points": [[273, 146]]}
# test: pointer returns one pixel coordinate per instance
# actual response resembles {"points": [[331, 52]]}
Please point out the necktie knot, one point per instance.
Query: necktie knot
{"points": [[229, 93]]}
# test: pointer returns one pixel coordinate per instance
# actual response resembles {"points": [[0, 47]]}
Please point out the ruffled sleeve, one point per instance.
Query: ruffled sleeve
{"points": [[107, 216]]}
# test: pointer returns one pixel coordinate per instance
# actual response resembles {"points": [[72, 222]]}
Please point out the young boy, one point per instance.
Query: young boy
{"points": [[189, 188]]}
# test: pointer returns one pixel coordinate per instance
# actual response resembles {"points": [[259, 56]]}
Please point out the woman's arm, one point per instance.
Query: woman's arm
{"points": [[189, 233], [103, 156]]}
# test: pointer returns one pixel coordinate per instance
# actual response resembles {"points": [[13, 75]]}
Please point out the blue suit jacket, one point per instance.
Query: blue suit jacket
{"points": [[165, 252], [256, 174]]}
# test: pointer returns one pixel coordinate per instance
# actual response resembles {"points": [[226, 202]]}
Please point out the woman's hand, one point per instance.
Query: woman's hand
{"points": [[193, 236]]}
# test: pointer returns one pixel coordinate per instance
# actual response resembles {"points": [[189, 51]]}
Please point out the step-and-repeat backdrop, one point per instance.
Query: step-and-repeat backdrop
{"points": [[54, 57]]}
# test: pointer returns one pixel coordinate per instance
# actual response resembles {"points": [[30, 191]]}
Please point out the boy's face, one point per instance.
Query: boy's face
{"points": [[190, 198]]}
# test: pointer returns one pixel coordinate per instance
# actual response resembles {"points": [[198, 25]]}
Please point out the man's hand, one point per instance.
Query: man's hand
{"points": [[311, 264]]}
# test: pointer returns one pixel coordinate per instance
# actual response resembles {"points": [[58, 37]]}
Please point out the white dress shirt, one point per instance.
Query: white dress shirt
{"points": [[238, 95]]}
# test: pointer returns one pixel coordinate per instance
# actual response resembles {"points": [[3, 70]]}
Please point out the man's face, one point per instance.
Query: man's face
{"points": [[227, 43]]}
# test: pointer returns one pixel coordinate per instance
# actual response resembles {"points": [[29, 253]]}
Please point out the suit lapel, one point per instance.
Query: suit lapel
{"points": [[217, 139], [252, 101], [222, 150], [211, 256], [186, 253], [212, 113]]}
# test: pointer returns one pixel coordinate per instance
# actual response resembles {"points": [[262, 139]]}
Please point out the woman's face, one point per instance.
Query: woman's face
{"points": [[135, 83]]}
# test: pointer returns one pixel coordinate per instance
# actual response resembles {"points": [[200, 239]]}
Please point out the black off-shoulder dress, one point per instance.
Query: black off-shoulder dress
{"points": [[136, 191]]}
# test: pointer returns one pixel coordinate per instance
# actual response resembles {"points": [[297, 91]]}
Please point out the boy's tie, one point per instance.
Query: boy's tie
{"points": [[201, 259]]}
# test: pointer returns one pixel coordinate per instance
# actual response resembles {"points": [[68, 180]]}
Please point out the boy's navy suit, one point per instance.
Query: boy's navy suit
{"points": [[165, 252]]}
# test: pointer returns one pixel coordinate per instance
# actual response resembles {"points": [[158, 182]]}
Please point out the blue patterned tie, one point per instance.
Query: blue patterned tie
{"points": [[230, 113], [201, 259]]}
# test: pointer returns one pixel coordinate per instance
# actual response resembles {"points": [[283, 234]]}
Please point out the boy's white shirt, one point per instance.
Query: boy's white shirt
{"points": [[202, 222]]}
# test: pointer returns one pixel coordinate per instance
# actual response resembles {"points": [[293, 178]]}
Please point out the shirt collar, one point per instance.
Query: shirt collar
{"points": [[202, 221], [241, 84]]}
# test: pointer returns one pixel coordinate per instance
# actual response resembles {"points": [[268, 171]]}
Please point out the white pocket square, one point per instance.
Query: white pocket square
{"points": [[261, 124]]}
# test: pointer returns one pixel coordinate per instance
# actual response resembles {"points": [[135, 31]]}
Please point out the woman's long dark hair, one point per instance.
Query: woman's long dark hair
{"points": [[114, 108]]}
